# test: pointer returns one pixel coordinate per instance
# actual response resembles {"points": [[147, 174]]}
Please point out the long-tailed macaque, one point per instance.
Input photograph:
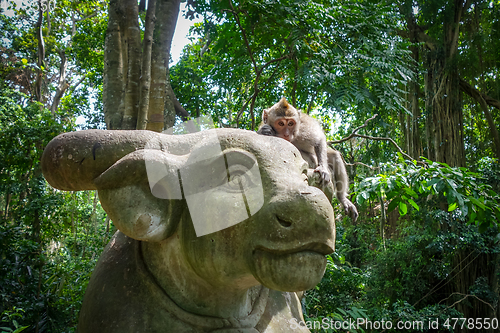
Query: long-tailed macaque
{"points": [[305, 133]]}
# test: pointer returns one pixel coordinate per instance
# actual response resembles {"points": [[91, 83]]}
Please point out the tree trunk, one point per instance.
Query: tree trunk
{"points": [[162, 114], [8, 197], [428, 114], [470, 266], [132, 38], [62, 85], [415, 147], [412, 134], [142, 118], [445, 112], [136, 73], [442, 85], [482, 100], [114, 67]]}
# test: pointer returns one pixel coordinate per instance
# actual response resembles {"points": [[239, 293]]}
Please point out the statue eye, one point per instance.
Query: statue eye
{"points": [[242, 173], [239, 179]]}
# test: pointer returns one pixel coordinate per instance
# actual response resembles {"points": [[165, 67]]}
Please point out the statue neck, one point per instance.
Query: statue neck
{"points": [[233, 299]]}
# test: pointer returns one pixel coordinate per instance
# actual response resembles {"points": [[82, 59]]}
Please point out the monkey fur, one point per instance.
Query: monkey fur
{"points": [[306, 134]]}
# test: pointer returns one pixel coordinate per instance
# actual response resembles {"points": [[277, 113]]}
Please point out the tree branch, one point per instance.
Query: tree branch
{"points": [[49, 25], [41, 53], [79, 82], [460, 8], [311, 102], [462, 299], [258, 72], [245, 39], [179, 109], [354, 132], [87, 17], [256, 89], [271, 62], [421, 37], [473, 92], [482, 100], [362, 164], [62, 84], [376, 138]]}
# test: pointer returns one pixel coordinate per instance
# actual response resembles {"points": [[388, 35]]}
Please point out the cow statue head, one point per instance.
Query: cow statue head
{"points": [[218, 229]]}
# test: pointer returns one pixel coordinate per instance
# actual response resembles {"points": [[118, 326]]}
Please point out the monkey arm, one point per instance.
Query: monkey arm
{"points": [[268, 130], [341, 182]]}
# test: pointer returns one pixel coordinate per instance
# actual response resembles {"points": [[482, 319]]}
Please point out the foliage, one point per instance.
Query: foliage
{"points": [[408, 272], [73, 40], [338, 296], [46, 287], [198, 94], [329, 54], [50, 240], [12, 317], [455, 189]]}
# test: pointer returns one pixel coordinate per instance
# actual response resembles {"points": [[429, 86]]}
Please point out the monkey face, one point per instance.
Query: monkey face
{"points": [[285, 128]]}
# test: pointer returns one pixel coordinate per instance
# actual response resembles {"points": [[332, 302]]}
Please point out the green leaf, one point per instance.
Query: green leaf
{"points": [[450, 196], [394, 203], [414, 204], [460, 199], [411, 192], [432, 182], [342, 311], [472, 217], [24, 61], [452, 207], [477, 203], [403, 208], [451, 183], [484, 225], [360, 199], [20, 329], [392, 194]]}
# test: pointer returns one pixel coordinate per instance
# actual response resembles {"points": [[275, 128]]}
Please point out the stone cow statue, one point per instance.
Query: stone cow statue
{"points": [[200, 248]]}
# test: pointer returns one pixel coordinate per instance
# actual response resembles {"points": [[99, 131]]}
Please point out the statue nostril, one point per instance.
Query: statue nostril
{"points": [[284, 223]]}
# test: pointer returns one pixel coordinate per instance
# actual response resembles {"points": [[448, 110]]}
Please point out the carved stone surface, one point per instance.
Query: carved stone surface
{"points": [[156, 274]]}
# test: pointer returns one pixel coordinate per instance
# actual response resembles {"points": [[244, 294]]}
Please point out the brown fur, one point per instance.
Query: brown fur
{"points": [[308, 136], [282, 109]]}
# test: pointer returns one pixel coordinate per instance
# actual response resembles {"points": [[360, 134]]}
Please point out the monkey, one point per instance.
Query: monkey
{"points": [[302, 131], [305, 133]]}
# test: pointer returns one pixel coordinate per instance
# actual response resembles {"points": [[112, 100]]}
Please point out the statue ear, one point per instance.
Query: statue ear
{"points": [[158, 168], [141, 193]]}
